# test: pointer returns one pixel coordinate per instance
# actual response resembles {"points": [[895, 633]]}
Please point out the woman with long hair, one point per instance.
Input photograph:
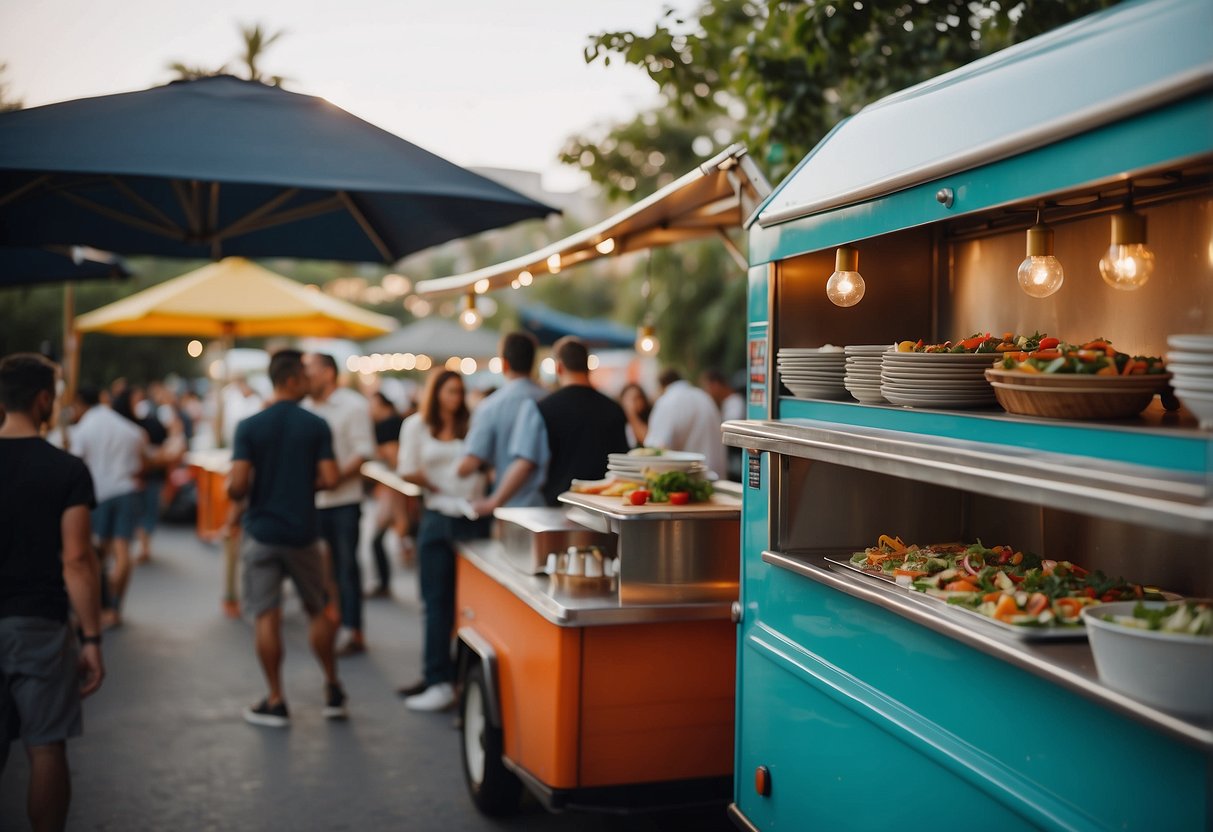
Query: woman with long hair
{"points": [[636, 406], [431, 448]]}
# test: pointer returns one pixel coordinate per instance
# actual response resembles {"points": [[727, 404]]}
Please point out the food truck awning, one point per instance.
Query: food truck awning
{"points": [[712, 198], [1102, 68]]}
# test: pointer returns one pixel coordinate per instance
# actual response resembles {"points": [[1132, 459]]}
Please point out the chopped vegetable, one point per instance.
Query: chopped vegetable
{"points": [[662, 485], [1193, 618]]}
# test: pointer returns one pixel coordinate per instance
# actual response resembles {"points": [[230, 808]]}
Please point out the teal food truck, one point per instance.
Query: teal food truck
{"points": [[864, 702]]}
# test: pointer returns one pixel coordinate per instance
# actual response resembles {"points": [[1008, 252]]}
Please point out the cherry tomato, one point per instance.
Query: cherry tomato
{"points": [[679, 498], [639, 497]]}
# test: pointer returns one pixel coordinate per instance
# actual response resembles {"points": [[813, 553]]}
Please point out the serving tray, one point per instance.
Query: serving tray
{"points": [[1052, 632]]}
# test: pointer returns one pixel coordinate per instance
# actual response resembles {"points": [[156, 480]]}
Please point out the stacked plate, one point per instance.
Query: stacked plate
{"points": [[1190, 363], [932, 379], [863, 362], [633, 466], [813, 373]]}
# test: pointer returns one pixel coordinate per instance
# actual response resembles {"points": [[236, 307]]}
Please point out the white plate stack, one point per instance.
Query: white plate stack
{"points": [[937, 379], [813, 373], [633, 466], [1190, 363], [863, 364]]}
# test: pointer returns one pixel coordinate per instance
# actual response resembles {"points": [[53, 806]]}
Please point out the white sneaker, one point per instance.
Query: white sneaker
{"points": [[437, 697]]}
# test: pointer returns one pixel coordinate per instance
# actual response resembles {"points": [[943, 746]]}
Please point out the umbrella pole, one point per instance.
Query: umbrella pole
{"points": [[225, 345], [71, 358]]}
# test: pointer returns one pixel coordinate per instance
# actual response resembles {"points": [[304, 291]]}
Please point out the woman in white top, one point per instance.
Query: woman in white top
{"points": [[431, 448]]}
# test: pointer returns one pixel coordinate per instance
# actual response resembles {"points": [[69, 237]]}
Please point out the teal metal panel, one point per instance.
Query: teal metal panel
{"points": [[1183, 452], [869, 723], [755, 538], [1102, 68], [1180, 131]]}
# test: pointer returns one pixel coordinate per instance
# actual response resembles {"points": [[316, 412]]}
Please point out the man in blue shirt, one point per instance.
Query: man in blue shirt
{"points": [[280, 458], [567, 435], [495, 422]]}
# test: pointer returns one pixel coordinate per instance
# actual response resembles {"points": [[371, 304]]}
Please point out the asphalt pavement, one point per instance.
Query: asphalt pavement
{"points": [[165, 747]]}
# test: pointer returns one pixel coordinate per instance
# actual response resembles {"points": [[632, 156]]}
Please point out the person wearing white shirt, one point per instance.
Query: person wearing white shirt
{"points": [[112, 448], [732, 406], [685, 418], [348, 415], [432, 447]]}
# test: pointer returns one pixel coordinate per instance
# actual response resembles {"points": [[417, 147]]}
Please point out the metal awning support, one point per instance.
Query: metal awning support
{"points": [[715, 197]]}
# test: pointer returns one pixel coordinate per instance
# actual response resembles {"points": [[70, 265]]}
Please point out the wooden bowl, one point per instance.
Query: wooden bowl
{"points": [[1072, 403], [1072, 381]]}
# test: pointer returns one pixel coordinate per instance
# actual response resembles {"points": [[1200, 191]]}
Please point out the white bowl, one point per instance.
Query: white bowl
{"points": [[1199, 402], [1170, 671]]}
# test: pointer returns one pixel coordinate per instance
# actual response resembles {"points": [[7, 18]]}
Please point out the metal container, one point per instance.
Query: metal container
{"points": [[528, 535], [668, 555]]}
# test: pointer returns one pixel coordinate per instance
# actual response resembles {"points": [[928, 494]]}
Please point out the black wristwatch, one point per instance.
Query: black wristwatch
{"points": [[89, 639]]}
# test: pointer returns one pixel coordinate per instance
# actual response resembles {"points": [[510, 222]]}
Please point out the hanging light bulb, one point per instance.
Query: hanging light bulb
{"points": [[1128, 262], [1040, 274], [845, 286], [469, 317], [646, 340]]}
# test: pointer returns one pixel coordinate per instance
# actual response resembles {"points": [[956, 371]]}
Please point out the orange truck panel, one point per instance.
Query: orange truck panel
{"points": [[657, 702], [607, 705], [539, 667]]}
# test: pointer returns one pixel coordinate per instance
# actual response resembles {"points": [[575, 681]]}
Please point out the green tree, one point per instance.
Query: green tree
{"points": [[7, 101], [255, 42], [788, 71]]}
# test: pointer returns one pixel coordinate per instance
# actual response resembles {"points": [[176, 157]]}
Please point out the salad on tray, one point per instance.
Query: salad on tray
{"points": [[1000, 582]]}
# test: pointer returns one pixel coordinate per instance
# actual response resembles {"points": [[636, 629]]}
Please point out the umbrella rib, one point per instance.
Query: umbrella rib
{"points": [[155, 212], [303, 212], [136, 222], [238, 225], [366, 226], [33, 183], [187, 205]]}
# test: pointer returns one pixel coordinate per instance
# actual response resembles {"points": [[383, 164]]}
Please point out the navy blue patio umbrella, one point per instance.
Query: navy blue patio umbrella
{"points": [[222, 166], [25, 266], [548, 326]]}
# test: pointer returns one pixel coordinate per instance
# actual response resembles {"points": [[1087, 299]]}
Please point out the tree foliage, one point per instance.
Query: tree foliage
{"points": [[787, 71], [7, 101], [776, 75], [255, 41]]}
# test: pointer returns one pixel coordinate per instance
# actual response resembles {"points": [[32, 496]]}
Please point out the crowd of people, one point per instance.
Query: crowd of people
{"points": [[76, 519]]}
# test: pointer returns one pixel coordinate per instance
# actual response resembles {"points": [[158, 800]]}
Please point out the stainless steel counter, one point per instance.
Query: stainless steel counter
{"points": [[1068, 663], [565, 610]]}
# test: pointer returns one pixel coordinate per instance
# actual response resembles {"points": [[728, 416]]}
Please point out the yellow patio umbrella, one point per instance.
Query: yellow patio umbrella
{"points": [[233, 298]]}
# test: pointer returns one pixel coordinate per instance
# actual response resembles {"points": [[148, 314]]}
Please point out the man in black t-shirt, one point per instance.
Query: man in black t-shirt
{"points": [[280, 458], [46, 565], [568, 434]]}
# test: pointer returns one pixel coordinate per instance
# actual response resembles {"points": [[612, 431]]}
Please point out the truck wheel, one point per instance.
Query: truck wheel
{"points": [[493, 788]]}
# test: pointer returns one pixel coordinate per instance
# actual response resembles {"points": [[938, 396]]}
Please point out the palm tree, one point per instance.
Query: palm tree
{"points": [[6, 102], [256, 42]]}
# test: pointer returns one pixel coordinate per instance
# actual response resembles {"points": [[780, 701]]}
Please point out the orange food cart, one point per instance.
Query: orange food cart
{"points": [[608, 693]]}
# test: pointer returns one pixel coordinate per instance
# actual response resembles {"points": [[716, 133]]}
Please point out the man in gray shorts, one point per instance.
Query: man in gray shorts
{"points": [[46, 566], [280, 457]]}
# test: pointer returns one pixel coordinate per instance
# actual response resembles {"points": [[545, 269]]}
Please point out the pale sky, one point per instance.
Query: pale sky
{"points": [[481, 82]]}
